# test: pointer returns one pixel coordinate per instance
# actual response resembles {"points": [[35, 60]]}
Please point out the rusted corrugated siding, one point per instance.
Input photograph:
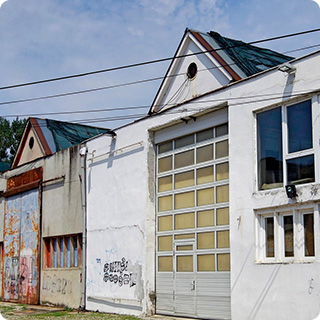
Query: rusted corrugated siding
{"points": [[21, 248]]}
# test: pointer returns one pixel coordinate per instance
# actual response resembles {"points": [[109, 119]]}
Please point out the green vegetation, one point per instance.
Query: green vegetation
{"points": [[10, 135], [20, 311]]}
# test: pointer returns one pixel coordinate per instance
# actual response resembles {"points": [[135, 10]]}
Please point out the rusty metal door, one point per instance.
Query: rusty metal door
{"points": [[21, 248]]}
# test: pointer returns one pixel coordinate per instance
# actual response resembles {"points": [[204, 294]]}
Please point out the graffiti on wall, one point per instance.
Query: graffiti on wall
{"points": [[55, 284], [11, 278], [21, 248], [117, 272]]}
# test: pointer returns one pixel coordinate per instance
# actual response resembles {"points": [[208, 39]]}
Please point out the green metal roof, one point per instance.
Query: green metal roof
{"points": [[250, 59], [66, 134]]}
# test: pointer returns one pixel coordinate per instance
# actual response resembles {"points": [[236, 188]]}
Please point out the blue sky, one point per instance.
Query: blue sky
{"points": [[42, 39]]}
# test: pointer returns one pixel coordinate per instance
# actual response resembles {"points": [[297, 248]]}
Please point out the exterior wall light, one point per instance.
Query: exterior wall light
{"points": [[287, 68], [291, 191]]}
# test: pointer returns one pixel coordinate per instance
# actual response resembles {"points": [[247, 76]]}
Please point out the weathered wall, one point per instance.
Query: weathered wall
{"points": [[61, 216], [122, 231], [61, 198], [61, 287], [119, 223], [273, 290]]}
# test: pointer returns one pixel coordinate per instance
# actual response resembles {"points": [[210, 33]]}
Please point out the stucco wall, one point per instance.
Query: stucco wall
{"points": [[61, 287], [61, 197], [275, 290], [120, 223], [121, 213]]}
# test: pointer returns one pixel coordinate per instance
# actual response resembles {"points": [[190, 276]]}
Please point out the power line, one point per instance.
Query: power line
{"points": [[152, 61], [263, 98], [123, 84]]}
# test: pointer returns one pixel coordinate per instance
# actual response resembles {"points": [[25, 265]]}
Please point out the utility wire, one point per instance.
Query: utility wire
{"points": [[252, 99], [153, 61], [123, 84]]}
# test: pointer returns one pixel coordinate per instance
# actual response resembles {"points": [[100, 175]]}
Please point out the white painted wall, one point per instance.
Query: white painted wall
{"points": [[121, 208]]}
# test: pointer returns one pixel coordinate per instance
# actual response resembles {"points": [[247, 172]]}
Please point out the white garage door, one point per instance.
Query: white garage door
{"points": [[193, 252]]}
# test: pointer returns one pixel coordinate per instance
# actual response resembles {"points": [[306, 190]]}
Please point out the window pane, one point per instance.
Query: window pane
{"points": [[165, 243], [206, 262], [165, 203], [184, 179], [184, 263], [164, 147], [184, 141], [205, 240], [269, 237], [184, 236], [185, 248], [222, 216], [184, 200], [223, 239], [205, 135], [165, 164], [222, 130], [299, 126], [223, 262], [205, 218], [75, 248], [205, 175], [205, 196], [308, 235], [61, 252], [300, 170], [184, 221], [205, 153], [270, 149], [222, 171], [68, 252], [55, 253], [165, 264], [165, 223], [288, 236], [223, 193], [165, 183], [184, 159], [222, 149]]}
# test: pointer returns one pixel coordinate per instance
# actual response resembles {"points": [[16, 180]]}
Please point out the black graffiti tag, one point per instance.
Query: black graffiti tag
{"points": [[117, 273]]}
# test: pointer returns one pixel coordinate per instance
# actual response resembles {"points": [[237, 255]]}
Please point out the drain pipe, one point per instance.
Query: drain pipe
{"points": [[83, 179]]}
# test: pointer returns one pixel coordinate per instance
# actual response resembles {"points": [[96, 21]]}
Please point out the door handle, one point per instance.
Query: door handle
{"points": [[193, 285]]}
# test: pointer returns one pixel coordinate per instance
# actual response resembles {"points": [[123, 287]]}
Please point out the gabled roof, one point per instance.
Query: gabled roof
{"points": [[250, 59], [224, 60], [43, 137]]}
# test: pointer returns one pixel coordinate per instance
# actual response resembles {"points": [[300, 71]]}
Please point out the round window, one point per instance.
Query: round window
{"points": [[192, 71], [31, 142]]}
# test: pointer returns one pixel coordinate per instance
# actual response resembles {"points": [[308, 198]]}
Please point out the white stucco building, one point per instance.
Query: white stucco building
{"points": [[187, 211]]}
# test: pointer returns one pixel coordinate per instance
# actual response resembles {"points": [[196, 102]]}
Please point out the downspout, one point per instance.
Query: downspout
{"points": [[83, 179]]}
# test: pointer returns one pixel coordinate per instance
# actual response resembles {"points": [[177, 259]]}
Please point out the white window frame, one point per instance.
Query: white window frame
{"points": [[279, 243], [285, 148]]}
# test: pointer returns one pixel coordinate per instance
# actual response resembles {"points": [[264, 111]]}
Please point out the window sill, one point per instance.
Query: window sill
{"points": [[287, 261]]}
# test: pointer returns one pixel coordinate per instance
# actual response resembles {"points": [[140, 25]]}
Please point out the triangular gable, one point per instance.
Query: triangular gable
{"points": [[217, 61], [212, 72], [33, 144], [43, 137]]}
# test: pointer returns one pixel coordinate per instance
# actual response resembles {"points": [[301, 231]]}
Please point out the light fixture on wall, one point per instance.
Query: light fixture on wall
{"points": [[287, 68], [291, 191]]}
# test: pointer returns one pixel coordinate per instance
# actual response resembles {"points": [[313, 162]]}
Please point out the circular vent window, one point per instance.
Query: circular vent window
{"points": [[31, 142], [192, 71]]}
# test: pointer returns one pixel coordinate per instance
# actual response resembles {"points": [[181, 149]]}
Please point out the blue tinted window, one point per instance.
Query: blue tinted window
{"points": [[270, 149], [299, 126], [300, 170]]}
